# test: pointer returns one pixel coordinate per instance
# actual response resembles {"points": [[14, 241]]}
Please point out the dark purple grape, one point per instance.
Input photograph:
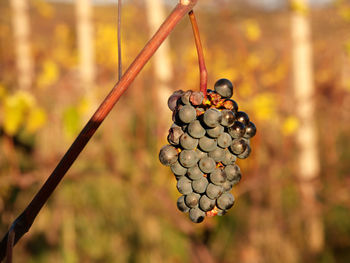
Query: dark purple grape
{"points": [[178, 169], [168, 155], [195, 129], [250, 130], [228, 118], [227, 185], [218, 154], [217, 177], [196, 98], [172, 101], [184, 185], [187, 142], [188, 158], [192, 199], [207, 144], [245, 154], [201, 154], [212, 117], [181, 204], [230, 105], [225, 201], [229, 158], [175, 133], [215, 132], [238, 146], [207, 165], [224, 140], [220, 212], [196, 215], [200, 185], [233, 173], [194, 173], [214, 191], [224, 88], [206, 204], [185, 97], [187, 114], [237, 130], [242, 117]]}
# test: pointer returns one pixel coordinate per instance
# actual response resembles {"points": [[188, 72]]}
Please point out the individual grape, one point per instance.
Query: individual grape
{"points": [[172, 101], [229, 158], [218, 154], [230, 105], [227, 185], [238, 146], [217, 177], [178, 169], [196, 215], [181, 204], [200, 185], [184, 185], [195, 129], [207, 165], [175, 133], [194, 173], [224, 140], [168, 155], [196, 98], [187, 114], [187, 142], [188, 158], [250, 130], [225, 201], [220, 212], [207, 144], [237, 130], [214, 191], [228, 118], [224, 87], [241, 116], [233, 173], [192, 199], [206, 204], [185, 97], [201, 154], [212, 117], [215, 132], [245, 154]]}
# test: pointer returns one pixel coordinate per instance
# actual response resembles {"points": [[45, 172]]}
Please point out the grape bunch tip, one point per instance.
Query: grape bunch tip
{"points": [[205, 140]]}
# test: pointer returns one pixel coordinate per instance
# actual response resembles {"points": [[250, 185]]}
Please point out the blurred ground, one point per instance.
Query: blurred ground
{"points": [[117, 203]]}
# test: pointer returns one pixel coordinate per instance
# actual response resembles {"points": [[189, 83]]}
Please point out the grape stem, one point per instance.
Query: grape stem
{"points": [[24, 221], [120, 71], [203, 74]]}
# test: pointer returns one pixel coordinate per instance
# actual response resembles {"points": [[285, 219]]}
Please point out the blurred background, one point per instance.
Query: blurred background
{"points": [[290, 63]]}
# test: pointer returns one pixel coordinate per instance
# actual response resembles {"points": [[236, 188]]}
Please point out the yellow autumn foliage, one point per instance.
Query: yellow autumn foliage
{"points": [[264, 106], [44, 9], [20, 111], [290, 125], [49, 74], [299, 7], [63, 51], [252, 30]]}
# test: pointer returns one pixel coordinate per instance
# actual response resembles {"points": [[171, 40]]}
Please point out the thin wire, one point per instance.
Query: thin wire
{"points": [[120, 71]]}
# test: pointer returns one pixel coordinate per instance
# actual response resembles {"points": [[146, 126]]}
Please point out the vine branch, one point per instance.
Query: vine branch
{"points": [[25, 220], [203, 74]]}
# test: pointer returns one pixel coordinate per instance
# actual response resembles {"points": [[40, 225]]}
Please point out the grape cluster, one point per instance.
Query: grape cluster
{"points": [[206, 138]]}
